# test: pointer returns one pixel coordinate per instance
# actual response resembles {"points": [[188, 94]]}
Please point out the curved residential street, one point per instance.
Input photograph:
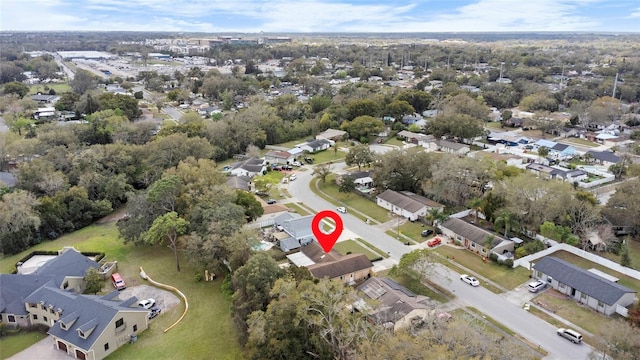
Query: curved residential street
{"points": [[498, 307]]}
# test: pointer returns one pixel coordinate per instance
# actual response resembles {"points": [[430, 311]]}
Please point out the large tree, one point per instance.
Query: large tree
{"points": [[165, 230], [83, 81], [360, 155], [363, 126], [18, 221]]}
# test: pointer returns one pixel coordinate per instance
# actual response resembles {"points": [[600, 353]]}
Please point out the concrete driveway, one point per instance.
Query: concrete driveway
{"points": [[43, 349]]}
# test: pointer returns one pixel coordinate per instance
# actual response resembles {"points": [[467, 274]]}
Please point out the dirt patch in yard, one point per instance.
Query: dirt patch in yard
{"points": [[165, 300]]}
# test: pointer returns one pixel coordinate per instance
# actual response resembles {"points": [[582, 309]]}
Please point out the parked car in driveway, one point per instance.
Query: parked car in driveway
{"points": [[570, 335], [434, 242], [470, 280], [534, 286], [271, 201], [147, 303], [296, 163], [155, 311]]}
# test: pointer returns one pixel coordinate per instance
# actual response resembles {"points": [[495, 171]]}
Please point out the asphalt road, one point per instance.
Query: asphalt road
{"points": [[173, 112], [497, 307], [522, 322], [300, 190]]}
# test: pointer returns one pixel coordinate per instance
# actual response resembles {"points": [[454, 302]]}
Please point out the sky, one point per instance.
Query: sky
{"points": [[312, 16]]}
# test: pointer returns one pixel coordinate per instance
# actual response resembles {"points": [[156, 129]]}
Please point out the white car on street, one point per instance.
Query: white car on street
{"points": [[342, 209], [470, 280]]}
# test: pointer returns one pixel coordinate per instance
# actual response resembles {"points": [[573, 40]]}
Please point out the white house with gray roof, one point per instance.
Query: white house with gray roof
{"points": [[582, 285], [406, 204], [298, 229]]}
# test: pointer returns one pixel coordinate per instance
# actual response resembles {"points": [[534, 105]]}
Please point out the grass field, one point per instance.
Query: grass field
{"points": [[581, 142], [354, 201], [414, 230], [375, 249], [40, 88], [350, 246], [394, 141], [207, 326], [298, 209], [507, 278], [13, 344]]}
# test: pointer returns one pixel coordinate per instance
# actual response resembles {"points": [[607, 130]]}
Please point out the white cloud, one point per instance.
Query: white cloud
{"points": [[300, 16]]}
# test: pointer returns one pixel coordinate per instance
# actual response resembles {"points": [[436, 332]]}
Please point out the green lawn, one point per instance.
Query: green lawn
{"points": [[507, 278], [419, 288], [350, 246], [13, 344], [354, 201], [40, 88], [583, 316], [586, 264], [634, 254], [414, 230], [207, 326], [581, 142], [327, 155], [375, 249], [394, 141], [394, 234], [298, 209], [493, 125], [292, 143]]}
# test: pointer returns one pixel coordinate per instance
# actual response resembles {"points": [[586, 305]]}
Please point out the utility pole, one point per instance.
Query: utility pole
{"points": [[615, 84]]}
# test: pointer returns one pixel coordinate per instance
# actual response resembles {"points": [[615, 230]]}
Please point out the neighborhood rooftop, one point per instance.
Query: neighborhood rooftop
{"points": [[582, 280]]}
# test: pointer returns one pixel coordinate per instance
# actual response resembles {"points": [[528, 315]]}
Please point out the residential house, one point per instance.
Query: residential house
{"points": [[362, 179], [279, 157], [450, 147], [414, 119], [474, 238], [594, 290], [315, 145], [332, 135], [514, 122], [45, 99], [511, 160], [548, 172], [297, 229], [239, 182], [83, 326], [349, 269], [562, 151], [397, 304], [604, 158], [250, 168], [415, 138], [406, 204]]}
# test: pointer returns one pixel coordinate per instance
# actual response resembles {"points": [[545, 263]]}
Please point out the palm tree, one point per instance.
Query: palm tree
{"points": [[436, 216], [475, 204], [505, 220]]}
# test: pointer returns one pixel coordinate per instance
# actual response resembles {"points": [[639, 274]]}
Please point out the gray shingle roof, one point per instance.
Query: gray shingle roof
{"points": [[582, 280], [559, 147], [289, 244], [471, 232], [299, 228], [452, 145], [91, 311], [607, 156], [69, 263], [15, 288], [401, 200]]}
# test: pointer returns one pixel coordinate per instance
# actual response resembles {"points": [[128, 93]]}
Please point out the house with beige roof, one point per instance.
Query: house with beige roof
{"points": [[476, 239]]}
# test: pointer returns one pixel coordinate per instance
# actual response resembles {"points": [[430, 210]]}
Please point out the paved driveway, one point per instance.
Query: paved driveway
{"points": [[43, 349]]}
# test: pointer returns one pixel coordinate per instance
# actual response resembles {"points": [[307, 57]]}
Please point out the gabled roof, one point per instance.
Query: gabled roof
{"points": [[412, 203], [278, 154], [452, 145], [93, 312], [15, 288], [607, 156], [396, 301], [44, 97], [359, 174], [316, 144], [288, 244], [239, 182], [471, 232], [546, 143], [346, 265], [582, 280], [69, 263], [332, 133], [253, 165], [314, 252], [545, 169]]}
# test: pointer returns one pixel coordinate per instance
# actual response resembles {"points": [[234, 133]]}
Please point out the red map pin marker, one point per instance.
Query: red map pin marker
{"points": [[326, 240]]}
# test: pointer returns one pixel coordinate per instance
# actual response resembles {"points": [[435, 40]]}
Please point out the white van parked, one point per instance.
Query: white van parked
{"points": [[570, 335]]}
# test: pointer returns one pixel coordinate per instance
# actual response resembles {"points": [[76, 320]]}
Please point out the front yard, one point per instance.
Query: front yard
{"points": [[505, 277], [567, 308], [354, 201], [351, 247], [206, 329]]}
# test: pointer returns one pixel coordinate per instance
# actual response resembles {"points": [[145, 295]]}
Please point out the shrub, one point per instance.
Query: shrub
{"points": [[493, 257], [198, 277], [508, 263]]}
